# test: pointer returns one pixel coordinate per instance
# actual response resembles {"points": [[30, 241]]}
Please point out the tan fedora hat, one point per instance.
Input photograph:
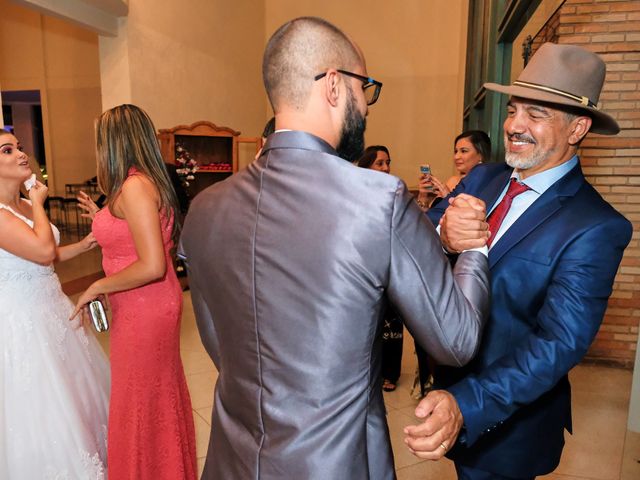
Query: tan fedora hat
{"points": [[564, 75]]}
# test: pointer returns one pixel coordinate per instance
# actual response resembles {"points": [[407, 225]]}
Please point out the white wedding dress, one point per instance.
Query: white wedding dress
{"points": [[54, 379]]}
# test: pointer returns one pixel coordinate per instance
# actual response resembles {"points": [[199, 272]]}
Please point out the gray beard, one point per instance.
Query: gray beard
{"points": [[524, 163]]}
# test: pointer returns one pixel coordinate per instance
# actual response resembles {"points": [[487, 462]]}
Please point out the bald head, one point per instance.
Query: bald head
{"points": [[297, 52]]}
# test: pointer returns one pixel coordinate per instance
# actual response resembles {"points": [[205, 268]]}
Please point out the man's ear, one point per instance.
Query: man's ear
{"points": [[333, 87], [579, 128]]}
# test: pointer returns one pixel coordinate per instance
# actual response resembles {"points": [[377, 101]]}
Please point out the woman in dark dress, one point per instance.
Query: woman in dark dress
{"points": [[376, 157]]}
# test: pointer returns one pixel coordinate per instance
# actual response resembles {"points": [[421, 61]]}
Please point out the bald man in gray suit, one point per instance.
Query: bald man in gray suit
{"points": [[291, 264]]}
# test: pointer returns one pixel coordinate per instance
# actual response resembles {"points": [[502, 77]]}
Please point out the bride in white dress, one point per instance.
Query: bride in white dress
{"points": [[54, 376]]}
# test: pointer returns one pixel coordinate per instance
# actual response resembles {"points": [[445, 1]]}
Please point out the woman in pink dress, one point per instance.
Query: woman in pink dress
{"points": [[151, 433]]}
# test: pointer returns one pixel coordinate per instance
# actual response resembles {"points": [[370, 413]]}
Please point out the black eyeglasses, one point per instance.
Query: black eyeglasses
{"points": [[371, 87]]}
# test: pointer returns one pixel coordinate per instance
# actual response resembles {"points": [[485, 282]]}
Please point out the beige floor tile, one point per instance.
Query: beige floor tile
{"points": [[631, 457], [205, 413], [187, 306], [189, 337], [410, 412], [203, 430], [426, 470], [201, 389], [614, 382], [401, 396], [409, 361], [190, 340], [201, 465], [196, 362], [397, 421], [599, 423]]}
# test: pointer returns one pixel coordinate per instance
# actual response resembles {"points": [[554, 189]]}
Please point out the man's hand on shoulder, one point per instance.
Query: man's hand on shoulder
{"points": [[438, 432], [463, 225]]}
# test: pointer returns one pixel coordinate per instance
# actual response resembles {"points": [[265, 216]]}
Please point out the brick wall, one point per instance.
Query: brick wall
{"points": [[611, 28], [549, 33]]}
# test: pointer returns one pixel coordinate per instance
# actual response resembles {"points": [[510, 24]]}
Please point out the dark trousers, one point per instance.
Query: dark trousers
{"points": [[392, 334], [426, 367], [468, 473]]}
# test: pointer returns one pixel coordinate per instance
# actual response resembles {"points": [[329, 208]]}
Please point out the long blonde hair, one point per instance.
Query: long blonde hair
{"points": [[125, 138]]}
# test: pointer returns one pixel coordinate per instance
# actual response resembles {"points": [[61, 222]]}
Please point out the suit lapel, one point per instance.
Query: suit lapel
{"points": [[545, 206], [537, 213]]}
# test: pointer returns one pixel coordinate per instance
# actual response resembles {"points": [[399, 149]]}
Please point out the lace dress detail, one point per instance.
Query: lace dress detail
{"points": [[54, 378], [151, 431]]}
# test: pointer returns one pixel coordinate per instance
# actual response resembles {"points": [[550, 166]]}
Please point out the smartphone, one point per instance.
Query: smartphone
{"points": [[425, 169], [98, 316]]}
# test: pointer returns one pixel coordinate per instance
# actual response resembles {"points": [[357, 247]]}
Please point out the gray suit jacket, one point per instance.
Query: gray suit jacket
{"points": [[290, 263]]}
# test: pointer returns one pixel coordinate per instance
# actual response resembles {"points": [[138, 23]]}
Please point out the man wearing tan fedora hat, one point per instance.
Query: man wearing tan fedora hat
{"points": [[555, 246]]}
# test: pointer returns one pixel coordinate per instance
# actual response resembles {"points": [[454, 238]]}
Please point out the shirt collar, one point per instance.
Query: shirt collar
{"points": [[540, 182]]}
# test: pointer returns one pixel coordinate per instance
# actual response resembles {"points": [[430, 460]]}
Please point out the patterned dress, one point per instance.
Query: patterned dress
{"points": [[151, 431]]}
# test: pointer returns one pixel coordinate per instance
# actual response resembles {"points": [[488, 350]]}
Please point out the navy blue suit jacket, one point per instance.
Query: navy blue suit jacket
{"points": [[552, 274]]}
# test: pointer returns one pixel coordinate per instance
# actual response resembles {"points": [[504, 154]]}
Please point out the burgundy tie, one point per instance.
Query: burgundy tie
{"points": [[498, 214]]}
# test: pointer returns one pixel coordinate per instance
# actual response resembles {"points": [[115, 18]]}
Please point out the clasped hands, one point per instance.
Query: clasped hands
{"points": [[463, 226]]}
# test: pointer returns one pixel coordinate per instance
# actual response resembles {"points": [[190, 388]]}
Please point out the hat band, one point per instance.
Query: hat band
{"points": [[582, 100]]}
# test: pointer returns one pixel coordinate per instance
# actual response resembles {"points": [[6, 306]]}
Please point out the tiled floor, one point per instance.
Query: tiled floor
{"points": [[600, 449]]}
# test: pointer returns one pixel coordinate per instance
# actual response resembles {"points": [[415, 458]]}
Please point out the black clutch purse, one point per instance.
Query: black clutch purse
{"points": [[98, 316]]}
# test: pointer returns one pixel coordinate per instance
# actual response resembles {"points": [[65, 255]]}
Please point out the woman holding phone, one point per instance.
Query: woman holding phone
{"points": [[469, 149]]}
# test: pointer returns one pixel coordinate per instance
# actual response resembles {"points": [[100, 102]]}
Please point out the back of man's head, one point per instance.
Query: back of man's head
{"points": [[298, 51]]}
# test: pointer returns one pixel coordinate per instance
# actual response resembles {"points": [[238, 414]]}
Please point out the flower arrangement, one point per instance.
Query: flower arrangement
{"points": [[187, 166]]}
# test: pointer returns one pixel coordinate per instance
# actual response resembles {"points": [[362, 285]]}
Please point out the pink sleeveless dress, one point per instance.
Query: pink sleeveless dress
{"points": [[151, 433]]}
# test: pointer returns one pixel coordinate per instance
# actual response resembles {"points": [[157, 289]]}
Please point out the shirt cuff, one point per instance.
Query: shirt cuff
{"points": [[483, 250]]}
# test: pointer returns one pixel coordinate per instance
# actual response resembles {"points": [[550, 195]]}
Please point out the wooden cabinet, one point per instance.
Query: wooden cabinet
{"points": [[215, 150]]}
